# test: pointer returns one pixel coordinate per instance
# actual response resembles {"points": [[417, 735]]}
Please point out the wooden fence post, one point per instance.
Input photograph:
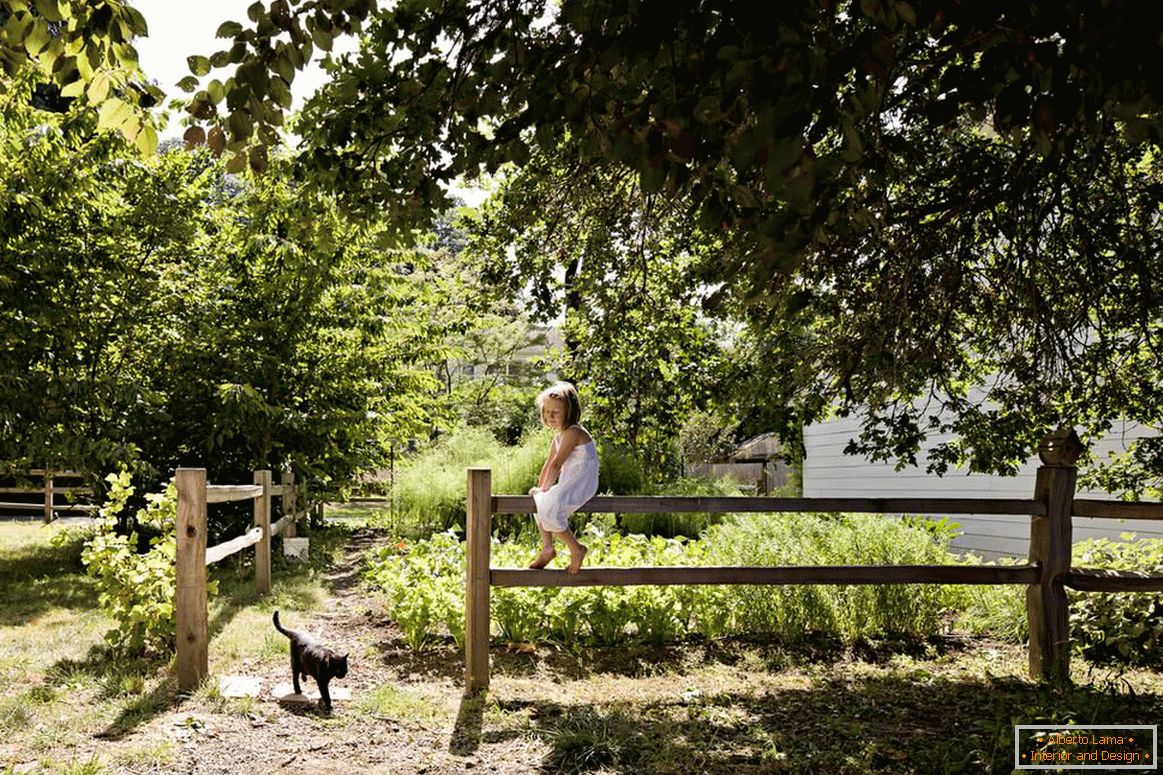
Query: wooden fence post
{"points": [[190, 593], [478, 521], [262, 518], [289, 503], [48, 499], [1051, 539]]}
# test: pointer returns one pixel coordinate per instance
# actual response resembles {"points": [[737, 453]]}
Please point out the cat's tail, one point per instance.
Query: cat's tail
{"points": [[278, 626]]}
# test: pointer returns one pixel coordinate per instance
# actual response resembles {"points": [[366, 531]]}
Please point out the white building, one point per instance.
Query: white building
{"points": [[828, 472]]}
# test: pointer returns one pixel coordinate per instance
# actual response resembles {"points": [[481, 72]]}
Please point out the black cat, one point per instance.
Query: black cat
{"points": [[308, 658]]}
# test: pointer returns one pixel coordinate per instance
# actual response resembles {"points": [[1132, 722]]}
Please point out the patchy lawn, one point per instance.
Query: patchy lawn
{"points": [[732, 706]]}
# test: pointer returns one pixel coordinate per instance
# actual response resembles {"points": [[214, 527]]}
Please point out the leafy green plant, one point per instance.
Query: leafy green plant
{"points": [[1124, 627], [424, 585], [136, 588]]}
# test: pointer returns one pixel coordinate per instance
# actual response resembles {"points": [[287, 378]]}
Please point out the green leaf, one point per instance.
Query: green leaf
{"points": [[74, 89], [37, 38], [199, 65], [240, 123], [322, 38], [146, 141], [228, 30], [188, 84], [98, 88], [50, 10], [113, 113]]}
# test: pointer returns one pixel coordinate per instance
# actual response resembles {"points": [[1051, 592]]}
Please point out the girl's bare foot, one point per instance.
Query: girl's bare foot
{"points": [[575, 558], [543, 559]]}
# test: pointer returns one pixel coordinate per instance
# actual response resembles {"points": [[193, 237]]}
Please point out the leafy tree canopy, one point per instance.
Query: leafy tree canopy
{"points": [[911, 198]]}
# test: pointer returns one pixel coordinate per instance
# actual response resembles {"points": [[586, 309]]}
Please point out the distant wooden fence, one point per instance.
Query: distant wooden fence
{"points": [[1046, 576], [190, 602], [48, 506]]}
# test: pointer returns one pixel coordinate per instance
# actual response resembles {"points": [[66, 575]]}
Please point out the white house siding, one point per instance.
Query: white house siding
{"points": [[828, 472]]}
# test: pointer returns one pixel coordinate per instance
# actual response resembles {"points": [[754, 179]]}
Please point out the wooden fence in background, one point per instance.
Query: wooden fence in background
{"points": [[1046, 576], [190, 601], [49, 489]]}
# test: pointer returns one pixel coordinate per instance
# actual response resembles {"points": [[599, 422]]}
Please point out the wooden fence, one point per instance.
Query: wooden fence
{"points": [[49, 489], [190, 602], [1046, 576]]}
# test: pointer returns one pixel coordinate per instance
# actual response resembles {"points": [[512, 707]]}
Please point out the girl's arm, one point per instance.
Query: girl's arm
{"points": [[542, 484], [565, 444]]}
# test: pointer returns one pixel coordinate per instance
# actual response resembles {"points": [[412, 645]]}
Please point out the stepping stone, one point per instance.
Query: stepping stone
{"points": [[239, 686], [285, 692]]}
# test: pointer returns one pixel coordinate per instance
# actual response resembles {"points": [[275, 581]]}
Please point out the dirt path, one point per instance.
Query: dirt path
{"points": [[402, 717]]}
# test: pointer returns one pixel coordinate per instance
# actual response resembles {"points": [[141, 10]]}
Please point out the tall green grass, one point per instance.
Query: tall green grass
{"points": [[429, 492]]}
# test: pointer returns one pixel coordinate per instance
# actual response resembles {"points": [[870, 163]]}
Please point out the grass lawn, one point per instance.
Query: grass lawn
{"points": [[725, 706]]}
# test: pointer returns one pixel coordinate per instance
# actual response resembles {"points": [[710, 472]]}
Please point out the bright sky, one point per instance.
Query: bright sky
{"points": [[178, 30]]}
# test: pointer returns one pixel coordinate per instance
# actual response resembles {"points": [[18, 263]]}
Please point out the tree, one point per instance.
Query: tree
{"points": [[901, 191], [160, 312], [88, 233], [802, 135], [617, 267]]}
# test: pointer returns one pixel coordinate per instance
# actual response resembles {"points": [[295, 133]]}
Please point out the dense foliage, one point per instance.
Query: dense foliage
{"points": [[160, 312], [618, 267], [910, 199], [1123, 627]]}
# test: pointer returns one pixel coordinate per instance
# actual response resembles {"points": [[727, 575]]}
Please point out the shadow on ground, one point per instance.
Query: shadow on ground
{"points": [[899, 724], [47, 577]]}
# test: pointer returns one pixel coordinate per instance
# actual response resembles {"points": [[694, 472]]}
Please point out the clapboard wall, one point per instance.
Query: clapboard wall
{"points": [[829, 472]]}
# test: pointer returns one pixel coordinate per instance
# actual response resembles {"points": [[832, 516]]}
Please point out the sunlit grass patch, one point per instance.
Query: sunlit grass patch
{"points": [[155, 754], [404, 704]]}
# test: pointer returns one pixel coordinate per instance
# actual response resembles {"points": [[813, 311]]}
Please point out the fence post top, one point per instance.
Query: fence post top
{"points": [[473, 469], [1061, 448]]}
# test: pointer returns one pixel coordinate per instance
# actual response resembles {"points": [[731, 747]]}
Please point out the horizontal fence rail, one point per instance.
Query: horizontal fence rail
{"points": [[193, 556], [1085, 507], [638, 504], [1047, 575], [47, 505], [794, 574]]}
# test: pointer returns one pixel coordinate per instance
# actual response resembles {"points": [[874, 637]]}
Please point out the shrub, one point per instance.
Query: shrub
{"points": [[1124, 627], [136, 588], [682, 523]]}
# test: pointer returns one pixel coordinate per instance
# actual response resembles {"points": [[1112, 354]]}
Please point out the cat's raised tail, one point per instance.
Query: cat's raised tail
{"points": [[278, 626]]}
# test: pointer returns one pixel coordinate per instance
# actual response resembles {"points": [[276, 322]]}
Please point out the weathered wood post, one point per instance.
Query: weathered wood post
{"points": [[262, 518], [289, 503], [1051, 539], [478, 521], [48, 500], [190, 566]]}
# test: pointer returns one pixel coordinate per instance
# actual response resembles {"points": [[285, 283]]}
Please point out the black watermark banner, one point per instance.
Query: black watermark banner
{"points": [[1094, 746]]}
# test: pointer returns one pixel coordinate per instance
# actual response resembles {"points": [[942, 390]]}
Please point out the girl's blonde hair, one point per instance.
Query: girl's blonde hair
{"points": [[566, 393]]}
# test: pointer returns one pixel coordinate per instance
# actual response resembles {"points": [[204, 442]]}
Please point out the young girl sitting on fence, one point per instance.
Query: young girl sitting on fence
{"points": [[569, 477]]}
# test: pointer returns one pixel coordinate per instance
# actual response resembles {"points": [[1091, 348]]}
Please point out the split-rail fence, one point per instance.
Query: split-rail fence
{"points": [[193, 557], [49, 490], [1046, 576]]}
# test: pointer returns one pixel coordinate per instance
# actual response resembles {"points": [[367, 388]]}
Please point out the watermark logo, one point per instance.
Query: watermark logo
{"points": [[1096, 746]]}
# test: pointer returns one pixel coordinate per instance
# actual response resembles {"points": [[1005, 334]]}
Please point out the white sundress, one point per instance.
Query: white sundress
{"points": [[577, 483]]}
